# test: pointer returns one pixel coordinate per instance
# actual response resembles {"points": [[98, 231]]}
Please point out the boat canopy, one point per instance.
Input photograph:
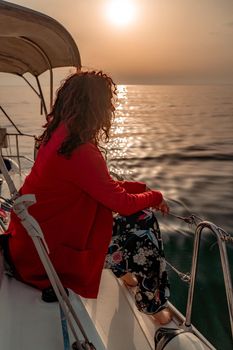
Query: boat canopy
{"points": [[31, 42]]}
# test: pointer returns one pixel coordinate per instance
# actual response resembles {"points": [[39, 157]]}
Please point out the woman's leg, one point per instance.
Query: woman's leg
{"points": [[136, 247]]}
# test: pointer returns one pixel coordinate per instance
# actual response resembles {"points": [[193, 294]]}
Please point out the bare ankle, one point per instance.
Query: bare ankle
{"points": [[163, 317], [130, 279]]}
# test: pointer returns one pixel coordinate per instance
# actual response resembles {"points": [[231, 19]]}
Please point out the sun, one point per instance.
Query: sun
{"points": [[120, 12]]}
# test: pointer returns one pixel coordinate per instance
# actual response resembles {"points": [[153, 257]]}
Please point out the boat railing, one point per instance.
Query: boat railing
{"points": [[16, 145], [222, 238], [18, 149]]}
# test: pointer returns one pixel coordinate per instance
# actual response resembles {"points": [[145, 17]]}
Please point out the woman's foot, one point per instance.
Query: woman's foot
{"points": [[130, 279], [163, 317]]}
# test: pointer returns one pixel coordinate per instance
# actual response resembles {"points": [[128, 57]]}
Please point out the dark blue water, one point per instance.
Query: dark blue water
{"points": [[179, 139]]}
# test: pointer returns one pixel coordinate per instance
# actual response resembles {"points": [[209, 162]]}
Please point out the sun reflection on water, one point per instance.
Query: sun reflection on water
{"points": [[122, 91], [118, 147], [121, 104]]}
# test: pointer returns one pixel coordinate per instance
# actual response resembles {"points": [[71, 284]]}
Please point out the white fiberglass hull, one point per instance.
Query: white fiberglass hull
{"points": [[111, 322]]}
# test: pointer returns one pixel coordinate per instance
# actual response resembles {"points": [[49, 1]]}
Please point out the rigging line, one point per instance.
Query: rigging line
{"points": [[185, 277], [225, 236], [10, 120], [176, 201], [191, 219]]}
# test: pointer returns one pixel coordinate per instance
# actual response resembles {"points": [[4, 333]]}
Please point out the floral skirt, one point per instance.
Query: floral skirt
{"points": [[137, 247]]}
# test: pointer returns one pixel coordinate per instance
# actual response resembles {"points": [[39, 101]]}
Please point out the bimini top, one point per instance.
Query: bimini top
{"points": [[31, 42]]}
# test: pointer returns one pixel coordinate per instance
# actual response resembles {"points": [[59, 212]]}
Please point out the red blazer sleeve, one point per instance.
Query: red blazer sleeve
{"points": [[92, 176], [133, 186]]}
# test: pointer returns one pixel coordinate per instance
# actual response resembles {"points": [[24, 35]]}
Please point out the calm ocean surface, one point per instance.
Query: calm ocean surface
{"points": [[178, 139]]}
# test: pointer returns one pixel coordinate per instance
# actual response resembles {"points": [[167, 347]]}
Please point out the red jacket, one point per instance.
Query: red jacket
{"points": [[75, 201]]}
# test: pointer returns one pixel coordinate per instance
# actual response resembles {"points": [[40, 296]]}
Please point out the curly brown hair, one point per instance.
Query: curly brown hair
{"points": [[85, 103]]}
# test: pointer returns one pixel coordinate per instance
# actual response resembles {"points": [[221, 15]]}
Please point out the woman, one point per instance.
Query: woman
{"points": [[76, 196]]}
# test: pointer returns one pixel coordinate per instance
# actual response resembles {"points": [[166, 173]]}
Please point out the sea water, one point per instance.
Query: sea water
{"points": [[178, 139]]}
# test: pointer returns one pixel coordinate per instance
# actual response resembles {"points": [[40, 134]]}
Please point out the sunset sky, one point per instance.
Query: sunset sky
{"points": [[150, 41]]}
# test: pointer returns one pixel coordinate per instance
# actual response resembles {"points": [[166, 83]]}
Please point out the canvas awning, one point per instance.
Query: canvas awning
{"points": [[31, 42]]}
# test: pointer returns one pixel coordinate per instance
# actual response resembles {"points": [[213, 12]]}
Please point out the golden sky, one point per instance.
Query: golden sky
{"points": [[150, 41]]}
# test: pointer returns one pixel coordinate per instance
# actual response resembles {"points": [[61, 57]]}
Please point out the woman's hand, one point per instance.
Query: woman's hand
{"points": [[163, 207]]}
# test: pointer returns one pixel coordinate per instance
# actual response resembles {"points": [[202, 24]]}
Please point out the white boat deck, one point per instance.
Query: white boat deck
{"points": [[27, 322], [112, 321]]}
